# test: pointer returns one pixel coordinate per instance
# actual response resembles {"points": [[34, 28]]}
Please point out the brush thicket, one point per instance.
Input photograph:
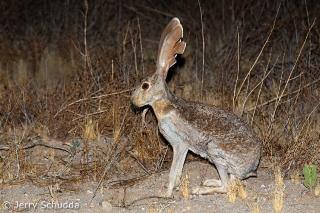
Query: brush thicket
{"points": [[66, 82]]}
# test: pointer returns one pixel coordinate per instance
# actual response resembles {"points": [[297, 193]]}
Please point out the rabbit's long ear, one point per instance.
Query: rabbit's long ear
{"points": [[170, 45]]}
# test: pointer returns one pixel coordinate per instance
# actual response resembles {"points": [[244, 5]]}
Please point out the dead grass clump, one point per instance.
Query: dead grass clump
{"points": [[241, 190], [236, 187], [184, 186], [54, 191], [232, 190], [278, 198], [278, 191], [278, 177], [295, 177], [90, 131], [255, 207]]}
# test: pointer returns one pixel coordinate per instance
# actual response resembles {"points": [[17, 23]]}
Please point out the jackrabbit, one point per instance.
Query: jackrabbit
{"points": [[216, 134]]}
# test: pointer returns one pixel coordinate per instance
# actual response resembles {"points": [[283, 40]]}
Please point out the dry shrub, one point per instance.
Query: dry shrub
{"points": [[63, 90]]}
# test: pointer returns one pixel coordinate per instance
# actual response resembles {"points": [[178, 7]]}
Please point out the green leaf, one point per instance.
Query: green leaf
{"points": [[310, 176]]}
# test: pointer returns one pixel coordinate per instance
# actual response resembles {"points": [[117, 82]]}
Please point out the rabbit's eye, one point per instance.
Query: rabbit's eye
{"points": [[145, 86]]}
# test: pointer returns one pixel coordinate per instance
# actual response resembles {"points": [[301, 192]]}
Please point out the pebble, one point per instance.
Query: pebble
{"points": [[106, 206]]}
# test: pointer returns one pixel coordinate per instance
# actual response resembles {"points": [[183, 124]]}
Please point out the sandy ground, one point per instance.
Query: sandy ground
{"points": [[141, 196]]}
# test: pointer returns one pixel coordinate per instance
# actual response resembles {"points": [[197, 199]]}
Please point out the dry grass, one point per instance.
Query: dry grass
{"points": [[66, 82], [255, 207], [317, 190], [54, 191], [278, 198], [241, 190], [236, 187], [278, 192], [295, 177], [232, 190], [184, 186], [278, 177]]}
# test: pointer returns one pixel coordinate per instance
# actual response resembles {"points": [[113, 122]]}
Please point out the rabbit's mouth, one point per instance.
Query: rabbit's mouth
{"points": [[135, 101]]}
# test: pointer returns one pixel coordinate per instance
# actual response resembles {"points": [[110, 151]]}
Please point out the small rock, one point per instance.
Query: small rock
{"points": [[106, 206]]}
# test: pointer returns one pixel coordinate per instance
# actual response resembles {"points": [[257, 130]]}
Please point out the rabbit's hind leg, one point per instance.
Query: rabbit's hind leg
{"points": [[212, 183], [214, 186]]}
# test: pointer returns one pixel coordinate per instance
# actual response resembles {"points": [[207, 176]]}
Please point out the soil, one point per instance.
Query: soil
{"points": [[145, 196]]}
